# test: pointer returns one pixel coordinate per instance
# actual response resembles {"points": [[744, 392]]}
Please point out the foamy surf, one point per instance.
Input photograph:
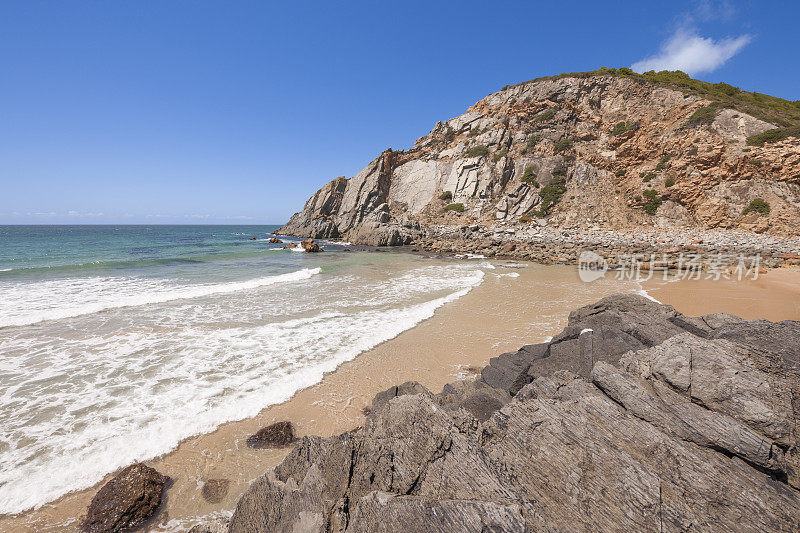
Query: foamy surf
{"points": [[107, 392], [23, 304]]}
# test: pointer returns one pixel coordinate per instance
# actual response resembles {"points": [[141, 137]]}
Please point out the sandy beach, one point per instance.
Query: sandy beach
{"points": [[519, 303]]}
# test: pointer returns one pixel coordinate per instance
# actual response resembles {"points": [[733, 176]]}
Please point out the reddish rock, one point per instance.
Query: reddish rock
{"points": [[290, 245], [309, 245], [127, 501], [275, 240], [276, 435]]}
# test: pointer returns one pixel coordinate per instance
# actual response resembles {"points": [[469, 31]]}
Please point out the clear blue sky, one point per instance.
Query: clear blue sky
{"points": [[211, 112]]}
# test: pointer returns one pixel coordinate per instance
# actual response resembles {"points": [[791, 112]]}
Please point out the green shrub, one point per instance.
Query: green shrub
{"points": [[474, 132], [528, 176], [757, 162], [533, 140], [562, 144], [457, 207], [663, 161], [552, 192], [478, 151], [498, 155], [759, 205], [545, 116], [446, 196], [647, 177], [653, 202], [724, 88], [669, 182], [704, 115], [619, 128], [619, 173], [775, 135]]}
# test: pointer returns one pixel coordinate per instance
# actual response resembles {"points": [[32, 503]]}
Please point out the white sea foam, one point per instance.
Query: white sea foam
{"points": [[644, 293], [26, 304], [104, 393]]}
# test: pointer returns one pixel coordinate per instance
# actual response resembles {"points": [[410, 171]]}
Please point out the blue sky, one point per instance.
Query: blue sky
{"points": [[235, 112]]}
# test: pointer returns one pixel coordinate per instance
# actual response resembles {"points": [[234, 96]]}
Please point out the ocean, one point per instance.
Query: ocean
{"points": [[117, 342]]}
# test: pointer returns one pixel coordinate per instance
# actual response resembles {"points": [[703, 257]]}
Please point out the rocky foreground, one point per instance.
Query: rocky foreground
{"points": [[634, 418]]}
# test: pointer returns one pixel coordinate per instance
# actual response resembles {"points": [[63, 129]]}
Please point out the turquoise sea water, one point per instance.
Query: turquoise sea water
{"points": [[117, 342]]}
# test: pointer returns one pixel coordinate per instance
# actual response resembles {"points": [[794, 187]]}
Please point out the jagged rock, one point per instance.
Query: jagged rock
{"points": [[127, 501], [275, 435], [275, 240], [691, 429], [309, 245]]}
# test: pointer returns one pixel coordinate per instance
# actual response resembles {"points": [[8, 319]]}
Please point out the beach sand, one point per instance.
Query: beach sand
{"points": [[503, 313]]}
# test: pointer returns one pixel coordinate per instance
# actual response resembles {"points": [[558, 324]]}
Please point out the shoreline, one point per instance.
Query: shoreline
{"points": [[454, 343]]}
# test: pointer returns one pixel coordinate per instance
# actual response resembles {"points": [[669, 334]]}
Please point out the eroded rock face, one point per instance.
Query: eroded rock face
{"points": [[127, 501], [497, 158], [643, 420]]}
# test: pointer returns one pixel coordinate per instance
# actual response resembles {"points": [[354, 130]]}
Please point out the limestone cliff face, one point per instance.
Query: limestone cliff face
{"points": [[600, 142]]}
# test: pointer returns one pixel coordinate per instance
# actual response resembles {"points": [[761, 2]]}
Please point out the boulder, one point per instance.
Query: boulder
{"points": [[309, 245], [275, 240], [127, 501], [290, 245], [275, 435]]}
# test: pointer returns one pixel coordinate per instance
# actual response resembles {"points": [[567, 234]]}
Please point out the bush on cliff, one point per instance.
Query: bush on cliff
{"points": [[653, 202], [704, 115], [562, 144], [457, 207], [759, 205], [499, 155], [529, 177], [446, 196], [478, 151], [774, 135], [552, 192], [545, 116], [669, 182]]}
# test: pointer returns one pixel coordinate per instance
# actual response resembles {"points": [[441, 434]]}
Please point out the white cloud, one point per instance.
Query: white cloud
{"points": [[686, 50], [74, 213]]}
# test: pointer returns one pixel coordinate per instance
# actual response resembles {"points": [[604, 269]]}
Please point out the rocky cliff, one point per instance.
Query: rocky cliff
{"points": [[609, 148], [634, 418]]}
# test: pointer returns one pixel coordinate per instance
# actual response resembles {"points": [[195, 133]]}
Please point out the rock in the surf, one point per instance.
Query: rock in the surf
{"points": [[309, 245], [290, 245], [275, 240], [126, 501], [214, 490], [275, 435]]}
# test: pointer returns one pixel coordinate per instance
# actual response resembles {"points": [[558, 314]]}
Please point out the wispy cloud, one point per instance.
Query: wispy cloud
{"points": [[687, 50], [73, 213]]}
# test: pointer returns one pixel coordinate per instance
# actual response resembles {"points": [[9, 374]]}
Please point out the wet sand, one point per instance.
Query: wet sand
{"points": [[501, 314]]}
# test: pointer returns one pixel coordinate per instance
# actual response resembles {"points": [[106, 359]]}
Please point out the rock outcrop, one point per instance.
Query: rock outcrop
{"points": [[634, 418], [577, 150], [275, 435], [127, 501]]}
